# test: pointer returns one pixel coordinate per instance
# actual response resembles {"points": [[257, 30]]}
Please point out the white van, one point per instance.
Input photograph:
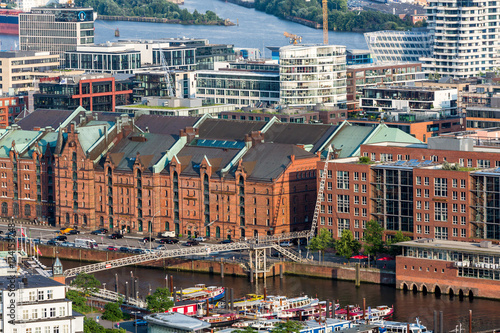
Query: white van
{"points": [[85, 243], [167, 234]]}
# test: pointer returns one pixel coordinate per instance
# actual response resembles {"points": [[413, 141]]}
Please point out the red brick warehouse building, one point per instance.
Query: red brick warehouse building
{"points": [[212, 177], [445, 189]]}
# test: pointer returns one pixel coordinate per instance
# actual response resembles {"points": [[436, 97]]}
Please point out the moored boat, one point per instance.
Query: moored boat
{"points": [[221, 320], [200, 293], [400, 327]]}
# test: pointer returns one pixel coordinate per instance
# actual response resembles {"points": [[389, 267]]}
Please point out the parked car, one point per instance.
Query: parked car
{"points": [[37, 241], [11, 233], [115, 235], [74, 232], [147, 239], [8, 238], [124, 249], [53, 242], [286, 244], [191, 243], [140, 322], [138, 251], [200, 239], [168, 240], [112, 248], [226, 241], [99, 231], [61, 238], [68, 244], [161, 247]]}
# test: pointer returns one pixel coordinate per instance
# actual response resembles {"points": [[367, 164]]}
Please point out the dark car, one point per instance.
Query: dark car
{"points": [[112, 248], [191, 243], [11, 233], [115, 236], [73, 232], [147, 239], [8, 238], [53, 242], [226, 241], [99, 231], [124, 249], [140, 322], [37, 241], [138, 251], [61, 238], [168, 240]]}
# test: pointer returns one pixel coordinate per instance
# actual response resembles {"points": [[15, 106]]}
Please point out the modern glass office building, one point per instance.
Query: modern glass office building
{"points": [[56, 30]]}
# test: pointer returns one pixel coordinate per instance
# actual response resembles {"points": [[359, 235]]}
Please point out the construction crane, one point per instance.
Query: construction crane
{"points": [[294, 39], [325, 22], [166, 71]]}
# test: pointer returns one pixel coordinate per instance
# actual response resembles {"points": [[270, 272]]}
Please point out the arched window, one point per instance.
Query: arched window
{"points": [[255, 233], [75, 219], [167, 226], [140, 226], [5, 209], [27, 210], [84, 219], [217, 232], [15, 208]]}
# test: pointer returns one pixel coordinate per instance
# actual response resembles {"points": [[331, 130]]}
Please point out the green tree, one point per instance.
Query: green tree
{"points": [[160, 300], [346, 246], [246, 330], [79, 301], [322, 241], [87, 283], [90, 326], [394, 249], [288, 327], [113, 312], [373, 238]]}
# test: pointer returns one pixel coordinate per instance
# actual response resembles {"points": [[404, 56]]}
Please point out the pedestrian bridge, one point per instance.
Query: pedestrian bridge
{"points": [[259, 244], [114, 296]]}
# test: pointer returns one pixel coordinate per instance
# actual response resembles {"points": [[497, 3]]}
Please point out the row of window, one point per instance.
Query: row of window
{"points": [[441, 232], [45, 329], [43, 313]]}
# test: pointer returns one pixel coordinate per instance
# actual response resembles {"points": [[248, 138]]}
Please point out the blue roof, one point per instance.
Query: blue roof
{"points": [[219, 143]]}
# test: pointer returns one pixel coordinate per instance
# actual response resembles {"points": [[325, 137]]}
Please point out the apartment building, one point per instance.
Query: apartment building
{"points": [[20, 69], [313, 74]]}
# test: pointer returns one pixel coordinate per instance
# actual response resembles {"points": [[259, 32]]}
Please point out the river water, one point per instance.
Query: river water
{"points": [[256, 29], [408, 306]]}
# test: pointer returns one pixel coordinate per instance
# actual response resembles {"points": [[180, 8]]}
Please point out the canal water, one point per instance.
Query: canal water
{"points": [[255, 29], [408, 306]]}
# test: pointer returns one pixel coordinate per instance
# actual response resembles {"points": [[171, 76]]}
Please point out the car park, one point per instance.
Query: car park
{"points": [[115, 235], [124, 249], [112, 248]]}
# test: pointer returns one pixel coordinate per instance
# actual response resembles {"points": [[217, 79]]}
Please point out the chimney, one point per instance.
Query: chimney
{"points": [[191, 133], [248, 141], [292, 158], [182, 133], [257, 137]]}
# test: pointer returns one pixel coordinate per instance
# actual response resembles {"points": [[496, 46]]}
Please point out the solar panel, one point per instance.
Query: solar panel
{"points": [[412, 161], [427, 162], [400, 162], [497, 170]]}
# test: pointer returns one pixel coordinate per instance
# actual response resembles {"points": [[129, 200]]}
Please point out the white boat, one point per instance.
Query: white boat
{"points": [[272, 306], [399, 327]]}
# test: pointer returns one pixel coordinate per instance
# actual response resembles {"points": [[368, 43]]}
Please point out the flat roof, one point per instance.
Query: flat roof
{"points": [[33, 281], [431, 243]]}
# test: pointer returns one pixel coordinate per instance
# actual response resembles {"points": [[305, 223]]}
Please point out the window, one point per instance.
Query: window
{"points": [[462, 196], [462, 220], [426, 205], [419, 180], [463, 233], [385, 157], [483, 163], [343, 180], [32, 296], [356, 211], [440, 211], [356, 200], [440, 187], [342, 203], [455, 195], [56, 329], [50, 294], [419, 204], [419, 217], [330, 221], [26, 314], [426, 181], [426, 192], [419, 229], [455, 232], [40, 295], [455, 208], [469, 163], [441, 232], [363, 176], [373, 157], [462, 208], [364, 212], [34, 313], [461, 162], [62, 311], [44, 313], [426, 217], [356, 188], [52, 312], [455, 219], [356, 224], [462, 183], [343, 224], [363, 201], [356, 175], [426, 230], [322, 220], [363, 188], [419, 192], [454, 183]]}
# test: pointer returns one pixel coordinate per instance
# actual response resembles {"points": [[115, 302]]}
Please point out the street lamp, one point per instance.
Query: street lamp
{"points": [[135, 322]]}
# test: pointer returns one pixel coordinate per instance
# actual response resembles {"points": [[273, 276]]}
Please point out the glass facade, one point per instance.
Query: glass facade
{"points": [[112, 63]]}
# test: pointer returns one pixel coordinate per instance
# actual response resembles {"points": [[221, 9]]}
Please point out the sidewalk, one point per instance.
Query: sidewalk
{"points": [[127, 325]]}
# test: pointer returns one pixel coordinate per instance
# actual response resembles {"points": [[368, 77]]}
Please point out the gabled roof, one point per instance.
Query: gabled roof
{"points": [[150, 146], [89, 135], [228, 129], [306, 134], [42, 118], [267, 161], [190, 158], [164, 124]]}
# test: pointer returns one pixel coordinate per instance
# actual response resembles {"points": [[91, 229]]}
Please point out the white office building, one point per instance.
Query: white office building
{"points": [[400, 46], [56, 30], [465, 37], [312, 74], [37, 304]]}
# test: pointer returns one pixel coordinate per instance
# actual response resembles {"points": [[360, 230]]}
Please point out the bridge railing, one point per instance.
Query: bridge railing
{"points": [[114, 296]]}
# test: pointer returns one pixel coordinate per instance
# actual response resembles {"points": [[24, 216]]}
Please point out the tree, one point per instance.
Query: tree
{"points": [[160, 300], [112, 311], [90, 326], [87, 283], [398, 237], [246, 330], [373, 239], [79, 301], [288, 327], [346, 246], [321, 241]]}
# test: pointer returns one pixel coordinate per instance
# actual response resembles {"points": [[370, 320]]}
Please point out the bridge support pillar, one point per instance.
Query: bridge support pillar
{"points": [[260, 263]]}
